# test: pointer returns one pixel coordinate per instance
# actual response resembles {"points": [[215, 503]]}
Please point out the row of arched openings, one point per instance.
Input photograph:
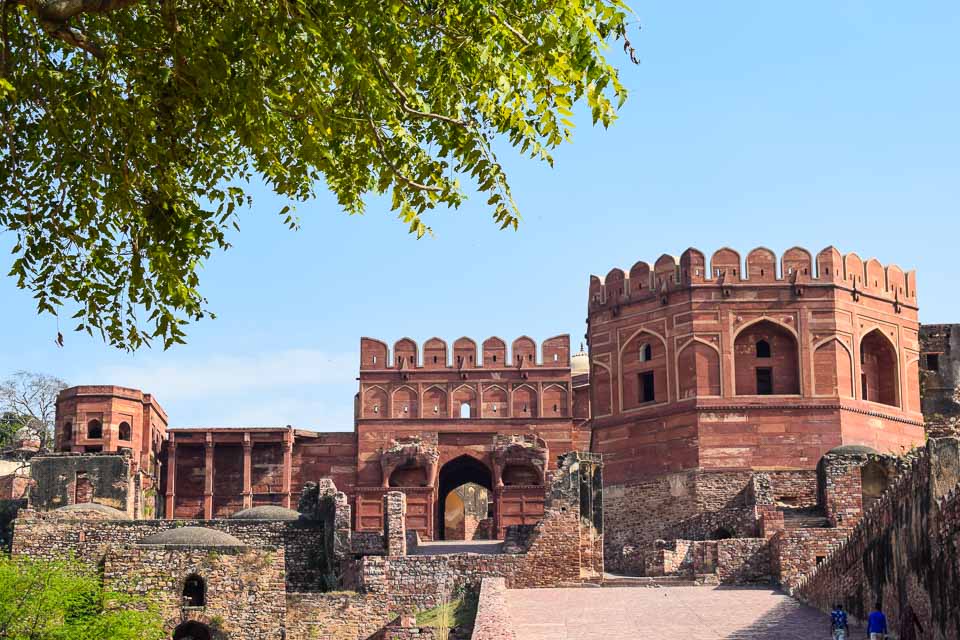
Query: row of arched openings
{"points": [[766, 362], [95, 431], [496, 401]]}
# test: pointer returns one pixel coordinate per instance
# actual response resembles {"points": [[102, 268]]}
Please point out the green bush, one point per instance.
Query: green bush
{"points": [[42, 600]]}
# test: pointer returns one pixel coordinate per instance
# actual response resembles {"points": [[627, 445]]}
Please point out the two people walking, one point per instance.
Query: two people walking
{"points": [[876, 624]]}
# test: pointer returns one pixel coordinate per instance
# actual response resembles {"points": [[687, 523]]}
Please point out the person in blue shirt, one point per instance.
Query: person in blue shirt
{"points": [[876, 624], [838, 622]]}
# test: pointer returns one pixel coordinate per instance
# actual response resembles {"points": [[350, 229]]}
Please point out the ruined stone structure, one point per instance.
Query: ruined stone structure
{"points": [[732, 422]]}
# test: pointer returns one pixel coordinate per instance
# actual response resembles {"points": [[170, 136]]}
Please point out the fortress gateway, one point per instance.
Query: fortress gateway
{"points": [[732, 420]]}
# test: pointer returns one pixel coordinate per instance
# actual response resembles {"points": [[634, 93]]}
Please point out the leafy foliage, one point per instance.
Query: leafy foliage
{"points": [[42, 600], [133, 127]]}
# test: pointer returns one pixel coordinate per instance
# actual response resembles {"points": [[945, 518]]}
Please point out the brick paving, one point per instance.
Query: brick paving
{"points": [[668, 613]]}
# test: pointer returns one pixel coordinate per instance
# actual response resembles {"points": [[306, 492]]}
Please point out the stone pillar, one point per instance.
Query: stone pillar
{"points": [[395, 523], [208, 479], [287, 467], [171, 479], [247, 472]]}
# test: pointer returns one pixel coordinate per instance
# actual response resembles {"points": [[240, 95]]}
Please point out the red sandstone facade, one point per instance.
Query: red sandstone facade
{"points": [[762, 366]]}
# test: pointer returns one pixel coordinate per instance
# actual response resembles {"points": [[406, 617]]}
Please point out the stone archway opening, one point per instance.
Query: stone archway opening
{"points": [[464, 485], [192, 631]]}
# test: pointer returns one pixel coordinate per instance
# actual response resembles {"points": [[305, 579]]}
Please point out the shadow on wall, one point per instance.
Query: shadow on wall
{"points": [[788, 619]]}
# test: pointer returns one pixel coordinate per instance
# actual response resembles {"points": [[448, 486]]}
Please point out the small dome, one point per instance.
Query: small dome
{"points": [[91, 511], [193, 537], [266, 512], [580, 362], [853, 449]]}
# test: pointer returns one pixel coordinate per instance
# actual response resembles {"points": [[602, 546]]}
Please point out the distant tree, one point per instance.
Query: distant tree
{"points": [[131, 128], [28, 402], [42, 600]]}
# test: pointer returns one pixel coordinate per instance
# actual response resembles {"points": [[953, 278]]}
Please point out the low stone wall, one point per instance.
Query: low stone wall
{"points": [[904, 551], [245, 595], [796, 552], [51, 535], [741, 522], [743, 561], [493, 619], [336, 616], [419, 582]]}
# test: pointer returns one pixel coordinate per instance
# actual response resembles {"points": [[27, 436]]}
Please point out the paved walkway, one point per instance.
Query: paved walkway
{"points": [[668, 613]]}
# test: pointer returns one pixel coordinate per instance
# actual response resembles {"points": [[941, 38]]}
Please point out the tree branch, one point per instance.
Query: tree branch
{"points": [[404, 101], [396, 170]]}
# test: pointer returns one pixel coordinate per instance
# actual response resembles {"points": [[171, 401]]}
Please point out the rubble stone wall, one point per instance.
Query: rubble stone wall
{"points": [[904, 551], [244, 591], [341, 615], [493, 620], [40, 535]]}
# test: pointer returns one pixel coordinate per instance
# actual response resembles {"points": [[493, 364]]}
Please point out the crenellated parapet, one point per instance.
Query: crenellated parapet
{"points": [[492, 354], [796, 268]]}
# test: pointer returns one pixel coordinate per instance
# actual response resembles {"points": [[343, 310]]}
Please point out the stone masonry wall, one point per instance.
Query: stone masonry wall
{"points": [[336, 616], [42, 535], [904, 551], [109, 478], [493, 620], [244, 595]]}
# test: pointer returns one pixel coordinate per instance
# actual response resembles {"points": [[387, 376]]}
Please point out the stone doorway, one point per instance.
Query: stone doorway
{"points": [[192, 631], [464, 489]]}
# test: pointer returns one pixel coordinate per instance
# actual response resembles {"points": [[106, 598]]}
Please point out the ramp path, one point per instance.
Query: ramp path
{"points": [[663, 613]]}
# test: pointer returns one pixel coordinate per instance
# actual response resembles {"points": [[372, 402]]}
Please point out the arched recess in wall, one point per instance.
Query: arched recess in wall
{"points": [[405, 403], [192, 631], [124, 431], [554, 403], [194, 591], [873, 482], [777, 373], [643, 370], [94, 430], [520, 473], [465, 396], [435, 403], [409, 475], [879, 373], [601, 388], [524, 402], [832, 368], [698, 369], [375, 403], [67, 432], [494, 402]]}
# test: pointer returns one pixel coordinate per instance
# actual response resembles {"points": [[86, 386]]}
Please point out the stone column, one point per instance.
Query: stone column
{"points": [[171, 479], [247, 471], [287, 467], [208, 479], [395, 523]]}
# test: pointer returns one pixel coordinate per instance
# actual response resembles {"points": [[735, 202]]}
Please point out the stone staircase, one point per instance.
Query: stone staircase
{"points": [[804, 519], [654, 582]]}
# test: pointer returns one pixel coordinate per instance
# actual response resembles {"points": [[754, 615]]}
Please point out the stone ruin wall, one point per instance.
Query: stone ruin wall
{"points": [[245, 597], [52, 536], [692, 505], [940, 378], [905, 550]]}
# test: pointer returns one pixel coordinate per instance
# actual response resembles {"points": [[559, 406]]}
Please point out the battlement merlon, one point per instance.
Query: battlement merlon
{"points": [[555, 354], [797, 268]]}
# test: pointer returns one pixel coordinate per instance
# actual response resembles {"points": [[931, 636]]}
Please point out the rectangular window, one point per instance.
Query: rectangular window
{"points": [[933, 362], [647, 390], [764, 381]]}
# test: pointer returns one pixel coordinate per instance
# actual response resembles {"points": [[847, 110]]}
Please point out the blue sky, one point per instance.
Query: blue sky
{"points": [[749, 124]]}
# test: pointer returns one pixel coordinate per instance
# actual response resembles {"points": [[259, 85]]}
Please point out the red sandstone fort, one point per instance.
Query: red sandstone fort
{"points": [[747, 414]]}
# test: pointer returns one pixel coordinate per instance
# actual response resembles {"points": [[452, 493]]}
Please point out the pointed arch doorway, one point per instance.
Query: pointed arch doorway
{"points": [[465, 487]]}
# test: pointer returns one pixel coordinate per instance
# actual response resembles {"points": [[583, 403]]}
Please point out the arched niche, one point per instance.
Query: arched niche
{"points": [[698, 370], [879, 372], [524, 402], [775, 374], [554, 402], [465, 395], [435, 403], [643, 370], [495, 402], [405, 403], [832, 369], [375, 403]]}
